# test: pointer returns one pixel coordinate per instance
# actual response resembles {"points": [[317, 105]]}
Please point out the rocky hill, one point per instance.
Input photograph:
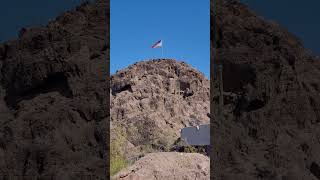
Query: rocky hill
{"points": [[152, 100], [53, 87], [270, 128]]}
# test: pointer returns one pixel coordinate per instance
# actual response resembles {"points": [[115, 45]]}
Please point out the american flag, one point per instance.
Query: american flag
{"points": [[157, 44]]}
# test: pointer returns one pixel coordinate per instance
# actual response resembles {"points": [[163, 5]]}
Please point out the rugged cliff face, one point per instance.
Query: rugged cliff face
{"points": [[53, 101], [152, 100], [271, 123]]}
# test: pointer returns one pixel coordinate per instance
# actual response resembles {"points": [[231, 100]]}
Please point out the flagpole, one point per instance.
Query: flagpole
{"points": [[162, 50]]}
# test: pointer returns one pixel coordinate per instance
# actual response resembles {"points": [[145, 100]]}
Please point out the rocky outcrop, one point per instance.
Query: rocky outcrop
{"points": [[53, 101], [168, 165], [270, 126], [152, 100]]}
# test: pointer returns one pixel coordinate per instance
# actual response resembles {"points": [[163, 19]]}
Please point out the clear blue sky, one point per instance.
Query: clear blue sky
{"points": [[299, 17], [183, 25], [15, 14]]}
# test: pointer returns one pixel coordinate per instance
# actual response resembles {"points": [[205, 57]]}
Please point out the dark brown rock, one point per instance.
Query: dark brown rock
{"points": [[54, 97], [270, 127]]}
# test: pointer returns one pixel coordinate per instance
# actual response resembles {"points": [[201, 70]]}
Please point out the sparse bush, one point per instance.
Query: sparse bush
{"points": [[145, 133], [117, 163], [190, 149], [181, 146], [118, 160]]}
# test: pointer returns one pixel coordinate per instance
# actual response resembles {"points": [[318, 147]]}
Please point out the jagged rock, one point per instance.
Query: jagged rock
{"points": [[53, 101], [168, 165], [154, 99], [270, 126]]}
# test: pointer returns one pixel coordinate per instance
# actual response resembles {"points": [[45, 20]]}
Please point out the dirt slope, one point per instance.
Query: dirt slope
{"points": [[168, 165]]}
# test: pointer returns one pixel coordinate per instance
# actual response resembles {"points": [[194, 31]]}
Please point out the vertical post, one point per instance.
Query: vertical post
{"points": [[162, 49]]}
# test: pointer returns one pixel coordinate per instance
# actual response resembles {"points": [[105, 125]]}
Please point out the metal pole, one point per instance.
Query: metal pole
{"points": [[162, 48]]}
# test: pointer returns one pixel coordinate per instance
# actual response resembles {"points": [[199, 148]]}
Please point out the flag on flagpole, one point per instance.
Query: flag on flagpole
{"points": [[157, 44]]}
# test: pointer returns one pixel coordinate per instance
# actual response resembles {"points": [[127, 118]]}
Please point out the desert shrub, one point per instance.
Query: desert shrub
{"points": [[118, 160], [163, 140], [195, 149], [145, 133], [117, 163], [190, 149], [181, 146]]}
